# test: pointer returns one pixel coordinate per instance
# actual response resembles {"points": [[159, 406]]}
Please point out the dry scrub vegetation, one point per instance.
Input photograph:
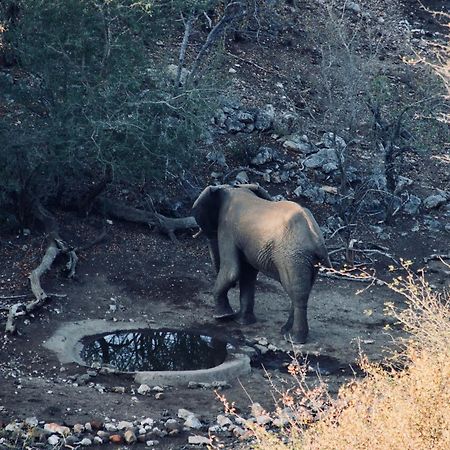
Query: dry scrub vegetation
{"points": [[400, 405]]}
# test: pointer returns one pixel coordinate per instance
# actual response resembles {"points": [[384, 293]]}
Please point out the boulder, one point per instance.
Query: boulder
{"points": [[434, 201], [264, 118]]}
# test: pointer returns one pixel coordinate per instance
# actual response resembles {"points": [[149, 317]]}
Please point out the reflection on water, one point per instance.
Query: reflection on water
{"points": [[140, 350]]}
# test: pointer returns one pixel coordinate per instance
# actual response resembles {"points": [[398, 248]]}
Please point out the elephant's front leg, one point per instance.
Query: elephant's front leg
{"points": [[224, 282], [247, 281]]}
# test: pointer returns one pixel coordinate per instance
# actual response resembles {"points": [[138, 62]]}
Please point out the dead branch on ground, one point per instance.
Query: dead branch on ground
{"points": [[166, 225]]}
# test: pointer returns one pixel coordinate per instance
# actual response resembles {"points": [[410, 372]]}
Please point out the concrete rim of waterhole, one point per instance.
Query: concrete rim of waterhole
{"points": [[66, 343]]}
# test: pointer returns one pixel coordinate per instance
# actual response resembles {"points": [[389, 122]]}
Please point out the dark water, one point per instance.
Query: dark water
{"points": [[152, 350], [316, 364]]}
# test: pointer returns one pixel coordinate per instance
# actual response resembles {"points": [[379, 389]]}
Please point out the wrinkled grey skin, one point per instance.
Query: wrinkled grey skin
{"points": [[247, 233]]}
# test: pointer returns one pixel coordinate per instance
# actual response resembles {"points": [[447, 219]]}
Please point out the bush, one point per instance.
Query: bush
{"points": [[388, 409], [88, 92]]}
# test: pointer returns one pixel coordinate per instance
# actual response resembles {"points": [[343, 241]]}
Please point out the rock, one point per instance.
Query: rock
{"points": [[242, 177], [330, 140], [88, 426], [198, 440], [123, 424], [144, 389], [263, 419], [402, 183], [315, 194], [234, 125], [147, 422], [285, 122], [103, 434], [261, 348], [83, 379], [118, 389], [412, 205], [172, 425], [53, 440], [257, 409], [85, 442], [55, 428], [264, 118], [264, 155], [98, 440], [219, 384], [298, 191], [232, 70], [129, 436], [434, 201], [322, 157], [224, 421], [217, 157], [157, 389], [329, 167], [297, 144], [32, 421], [96, 424], [71, 440], [245, 117], [110, 427], [184, 413], [152, 443], [160, 396], [116, 439], [193, 422], [354, 7], [78, 428]]}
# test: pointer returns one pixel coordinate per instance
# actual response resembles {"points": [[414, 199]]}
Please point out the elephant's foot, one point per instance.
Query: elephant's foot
{"points": [[246, 319], [224, 313], [296, 338]]}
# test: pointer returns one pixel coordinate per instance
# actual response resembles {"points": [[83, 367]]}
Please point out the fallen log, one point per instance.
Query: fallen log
{"points": [[167, 225]]}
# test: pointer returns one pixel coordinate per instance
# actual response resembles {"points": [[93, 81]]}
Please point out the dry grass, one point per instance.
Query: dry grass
{"points": [[406, 408]]}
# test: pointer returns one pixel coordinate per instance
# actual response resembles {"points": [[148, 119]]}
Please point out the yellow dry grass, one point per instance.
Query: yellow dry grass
{"points": [[388, 409]]}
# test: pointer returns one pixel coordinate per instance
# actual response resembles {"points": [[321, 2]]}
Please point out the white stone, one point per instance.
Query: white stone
{"points": [[110, 427], [198, 440], [223, 421], [53, 440], [144, 389], [86, 442], [31, 421], [184, 413], [193, 422], [123, 424]]}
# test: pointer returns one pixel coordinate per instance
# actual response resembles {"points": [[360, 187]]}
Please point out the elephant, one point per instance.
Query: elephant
{"points": [[248, 233]]}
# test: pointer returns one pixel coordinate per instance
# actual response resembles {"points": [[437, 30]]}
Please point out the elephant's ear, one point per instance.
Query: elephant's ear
{"points": [[206, 210]]}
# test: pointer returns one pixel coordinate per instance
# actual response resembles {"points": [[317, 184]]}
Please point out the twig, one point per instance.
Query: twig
{"points": [[436, 256]]}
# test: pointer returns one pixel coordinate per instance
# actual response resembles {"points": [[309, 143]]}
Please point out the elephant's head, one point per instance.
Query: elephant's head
{"points": [[206, 210]]}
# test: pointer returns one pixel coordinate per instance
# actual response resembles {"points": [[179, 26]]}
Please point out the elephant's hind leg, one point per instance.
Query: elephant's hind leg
{"points": [[298, 288], [247, 281]]}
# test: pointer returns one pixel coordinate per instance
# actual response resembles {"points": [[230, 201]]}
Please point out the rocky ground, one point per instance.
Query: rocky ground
{"points": [[262, 133]]}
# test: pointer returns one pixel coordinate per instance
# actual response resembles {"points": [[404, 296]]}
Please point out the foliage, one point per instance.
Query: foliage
{"points": [[90, 92], [402, 407]]}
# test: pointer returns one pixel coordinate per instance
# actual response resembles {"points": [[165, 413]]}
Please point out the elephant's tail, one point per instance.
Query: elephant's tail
{"points": [[324, 258]]}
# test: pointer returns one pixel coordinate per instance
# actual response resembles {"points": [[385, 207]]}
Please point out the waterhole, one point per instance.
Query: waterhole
{"points": [[320, 364], [153, 350]]}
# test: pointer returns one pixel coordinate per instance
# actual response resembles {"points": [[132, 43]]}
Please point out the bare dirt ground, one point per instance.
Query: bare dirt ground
{"points": [[149, 278]]}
